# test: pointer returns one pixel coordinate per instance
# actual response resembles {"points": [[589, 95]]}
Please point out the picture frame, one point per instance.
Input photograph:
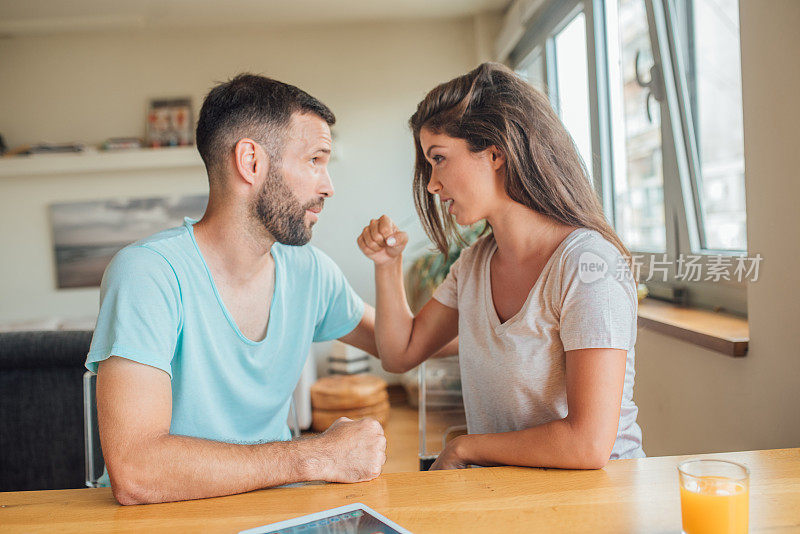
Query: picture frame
{"points": [[170, 122], [87, 234]]}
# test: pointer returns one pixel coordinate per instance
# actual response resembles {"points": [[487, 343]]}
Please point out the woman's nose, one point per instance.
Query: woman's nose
{"points": [[434, 185]]}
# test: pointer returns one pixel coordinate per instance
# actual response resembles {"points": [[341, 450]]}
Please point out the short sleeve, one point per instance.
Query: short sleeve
{"points": [[447, 292], [598, 298], [341, 308], [140, 314]]}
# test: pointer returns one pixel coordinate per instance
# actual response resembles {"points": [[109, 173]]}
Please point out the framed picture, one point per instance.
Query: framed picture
{"points": [[170, 122], [86, 235]]}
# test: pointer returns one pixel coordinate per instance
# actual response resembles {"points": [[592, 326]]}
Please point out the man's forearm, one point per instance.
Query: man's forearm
{"points": [[172, 468]]}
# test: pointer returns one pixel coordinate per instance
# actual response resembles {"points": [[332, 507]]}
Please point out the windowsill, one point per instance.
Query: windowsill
{"points": [[717, 331]]}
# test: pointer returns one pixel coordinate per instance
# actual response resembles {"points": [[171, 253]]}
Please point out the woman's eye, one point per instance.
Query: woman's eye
{"points": [[437, 158]]}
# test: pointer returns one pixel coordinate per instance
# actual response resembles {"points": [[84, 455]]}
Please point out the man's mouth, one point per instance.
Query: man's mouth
{"points": [[315, 210]]}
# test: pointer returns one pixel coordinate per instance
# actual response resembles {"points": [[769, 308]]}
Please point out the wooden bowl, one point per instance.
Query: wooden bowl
{"points": [[322, 419], [347, 392]]}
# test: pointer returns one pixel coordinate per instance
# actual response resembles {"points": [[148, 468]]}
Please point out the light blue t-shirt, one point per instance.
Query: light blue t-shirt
{"points": [[159, 306]]}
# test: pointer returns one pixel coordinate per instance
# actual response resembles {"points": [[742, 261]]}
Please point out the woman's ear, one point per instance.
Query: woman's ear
{"points": [[496, 157]]}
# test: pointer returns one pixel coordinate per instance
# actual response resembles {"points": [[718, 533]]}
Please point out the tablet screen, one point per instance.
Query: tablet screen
{"points": [[354, 522]]}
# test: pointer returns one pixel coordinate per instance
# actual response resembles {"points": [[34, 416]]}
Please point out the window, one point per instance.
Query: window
{"points": [[558, 65], [636, 137], [715, 78], [572, 85], [532, 70], [650, 91]]}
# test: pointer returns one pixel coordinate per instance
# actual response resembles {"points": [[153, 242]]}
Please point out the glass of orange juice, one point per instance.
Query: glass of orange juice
{"points": [[715, 496]]}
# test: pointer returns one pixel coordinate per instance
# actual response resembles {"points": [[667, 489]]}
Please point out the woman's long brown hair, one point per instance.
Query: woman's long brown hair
{"points": [[491, 105]]}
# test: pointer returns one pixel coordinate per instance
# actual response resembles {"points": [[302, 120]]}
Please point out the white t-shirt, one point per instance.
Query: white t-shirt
{"points": [[514, 374]]}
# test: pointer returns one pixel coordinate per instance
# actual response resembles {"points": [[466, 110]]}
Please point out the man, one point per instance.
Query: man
{"points": [[204, 329]]}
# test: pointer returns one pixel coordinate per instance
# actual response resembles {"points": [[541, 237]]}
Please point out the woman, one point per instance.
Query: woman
{"points": [[544, 305]]}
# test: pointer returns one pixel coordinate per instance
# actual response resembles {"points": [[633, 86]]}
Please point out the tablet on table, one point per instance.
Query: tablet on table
{"points": [[354, 518]]}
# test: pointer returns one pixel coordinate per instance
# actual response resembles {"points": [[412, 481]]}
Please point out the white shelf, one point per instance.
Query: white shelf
{"points": [[95, 161]]}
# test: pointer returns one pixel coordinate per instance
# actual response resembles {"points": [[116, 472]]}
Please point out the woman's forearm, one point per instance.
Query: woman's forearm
{"points": [[557, 444], [403, 340], [394, 322]]}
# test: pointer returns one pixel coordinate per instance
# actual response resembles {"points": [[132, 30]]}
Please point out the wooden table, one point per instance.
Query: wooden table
{"points": [[626, 496]]}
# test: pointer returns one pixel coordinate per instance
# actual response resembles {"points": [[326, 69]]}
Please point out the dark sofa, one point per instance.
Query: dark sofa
{"points": [[41, 409]]}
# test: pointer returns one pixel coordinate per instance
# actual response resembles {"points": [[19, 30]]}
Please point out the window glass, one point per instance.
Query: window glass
{"points": [[716, 79], [636, 131], [573, 85], [532, 70]]}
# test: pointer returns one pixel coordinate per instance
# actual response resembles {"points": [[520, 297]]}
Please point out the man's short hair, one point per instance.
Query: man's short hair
{"points": [[250, 106]]}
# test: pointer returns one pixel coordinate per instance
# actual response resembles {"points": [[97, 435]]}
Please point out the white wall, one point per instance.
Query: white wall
{"points": [[693, 400], [87, 87]]}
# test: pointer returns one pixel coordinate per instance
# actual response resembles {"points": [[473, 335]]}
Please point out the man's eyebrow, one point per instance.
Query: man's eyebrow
{"points": [[428, 152], [323, 149]]}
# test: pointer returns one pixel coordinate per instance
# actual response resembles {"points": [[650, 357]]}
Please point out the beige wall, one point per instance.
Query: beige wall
{"points": [[693, 400], [87, 87]]}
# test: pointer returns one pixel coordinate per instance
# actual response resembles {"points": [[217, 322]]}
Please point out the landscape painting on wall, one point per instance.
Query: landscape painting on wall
{"points": [[86, 235]]}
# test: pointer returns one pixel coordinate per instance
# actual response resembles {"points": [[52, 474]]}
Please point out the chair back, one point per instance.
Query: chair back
{"points": [[41, 438]]}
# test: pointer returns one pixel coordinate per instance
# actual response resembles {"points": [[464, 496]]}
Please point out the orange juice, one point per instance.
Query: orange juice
{"points": [[714, 505]]}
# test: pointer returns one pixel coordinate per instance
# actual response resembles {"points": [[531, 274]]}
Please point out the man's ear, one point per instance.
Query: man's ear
{"points": [[249, 158], [496, 157]]}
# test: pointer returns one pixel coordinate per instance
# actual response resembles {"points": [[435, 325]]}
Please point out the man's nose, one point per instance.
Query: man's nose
{"points": [[326, 185]]}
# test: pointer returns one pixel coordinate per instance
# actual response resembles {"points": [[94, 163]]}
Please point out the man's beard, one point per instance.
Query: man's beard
{"points": [[281, 213]]}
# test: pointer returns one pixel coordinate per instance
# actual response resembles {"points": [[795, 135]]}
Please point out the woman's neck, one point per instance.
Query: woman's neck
{"points": [[523, 234]]}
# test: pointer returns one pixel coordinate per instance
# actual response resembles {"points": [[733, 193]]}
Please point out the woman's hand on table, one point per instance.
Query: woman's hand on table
{"points": [[452, 457]]}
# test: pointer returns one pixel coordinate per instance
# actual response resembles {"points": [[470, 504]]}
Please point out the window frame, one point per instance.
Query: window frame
{"points": [[683, 215]]}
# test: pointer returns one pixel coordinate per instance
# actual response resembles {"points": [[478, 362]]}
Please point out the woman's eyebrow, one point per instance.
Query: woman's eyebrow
{"points": [[428, 152]]}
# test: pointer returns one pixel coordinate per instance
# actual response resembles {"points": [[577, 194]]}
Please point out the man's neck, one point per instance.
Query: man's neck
{"points": [[232, 243]]}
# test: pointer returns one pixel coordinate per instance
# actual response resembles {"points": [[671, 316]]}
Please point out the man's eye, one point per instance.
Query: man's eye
{"points": [[314, 161]]}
